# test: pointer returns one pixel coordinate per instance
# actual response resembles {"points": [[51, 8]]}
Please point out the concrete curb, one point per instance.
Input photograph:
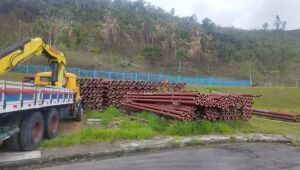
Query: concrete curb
{"points": [[50, 157]]}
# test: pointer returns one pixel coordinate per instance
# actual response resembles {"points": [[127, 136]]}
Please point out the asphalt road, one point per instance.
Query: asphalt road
{"points": [[228, 157]]}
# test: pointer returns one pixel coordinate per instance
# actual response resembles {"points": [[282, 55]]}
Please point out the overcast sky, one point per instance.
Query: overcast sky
{"points": [[246, 14]]}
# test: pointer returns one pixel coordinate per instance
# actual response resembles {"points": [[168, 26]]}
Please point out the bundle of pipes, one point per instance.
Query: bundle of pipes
{"points": [[97, 93], [91, 92], [115, 90], [276, 115], [189, 105]]}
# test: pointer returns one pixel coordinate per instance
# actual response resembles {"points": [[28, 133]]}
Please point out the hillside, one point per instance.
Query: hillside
{"points": [[136, 36]]}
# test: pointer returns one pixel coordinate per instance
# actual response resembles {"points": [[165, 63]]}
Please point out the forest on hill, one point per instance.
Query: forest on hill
{"points": [[137, 36]]}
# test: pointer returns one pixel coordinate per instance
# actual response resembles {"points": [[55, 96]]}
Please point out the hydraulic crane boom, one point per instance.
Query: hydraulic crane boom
{"points": [[24, 50]]}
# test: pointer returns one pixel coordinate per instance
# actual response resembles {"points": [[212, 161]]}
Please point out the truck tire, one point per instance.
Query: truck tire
{"points": [[31, 131], [12, 143], [63, 112], [51, 122], [79, 112]]}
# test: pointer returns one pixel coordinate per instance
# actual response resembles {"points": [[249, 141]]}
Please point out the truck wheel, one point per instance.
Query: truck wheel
{"points": [[12, 143], [32, 129], [63, 112], [51, 121], [79, 116], [78, 111]]}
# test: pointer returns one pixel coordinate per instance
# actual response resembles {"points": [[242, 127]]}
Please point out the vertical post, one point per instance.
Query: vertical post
{"points": [[34, 96], [94, 74], [21, 95], [27, 68], [123, 76], [109, 75], [250, 76], [3, 96], [136, 77], [148, 78], [160, 77]]}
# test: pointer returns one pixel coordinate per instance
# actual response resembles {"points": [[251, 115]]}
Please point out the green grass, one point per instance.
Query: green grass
{"points": [[277, 99], [135, 130], [94, 135], [159, 126], [261, 125], [296, 143], [274, 98]]}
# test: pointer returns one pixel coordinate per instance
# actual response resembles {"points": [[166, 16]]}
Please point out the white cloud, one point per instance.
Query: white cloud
{"points": [[247, 14]]}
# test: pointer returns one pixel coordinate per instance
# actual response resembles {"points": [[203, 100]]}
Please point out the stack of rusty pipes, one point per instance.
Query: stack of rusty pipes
{"points": [[91, 91], [99, 93], [115, 90], [190, 105]]}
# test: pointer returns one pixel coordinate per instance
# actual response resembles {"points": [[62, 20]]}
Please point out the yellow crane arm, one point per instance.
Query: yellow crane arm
{"points": [[24, 50]]}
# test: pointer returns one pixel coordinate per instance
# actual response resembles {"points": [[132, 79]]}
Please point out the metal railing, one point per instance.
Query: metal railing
{"points": [[33, 69]]}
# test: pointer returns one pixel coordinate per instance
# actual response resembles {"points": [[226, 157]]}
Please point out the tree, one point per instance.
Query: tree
{"points": [[52, 23], [172, 12], [208, 24], [277, 22], [283, 25], [279, 25], [265, 26], [181, 54]]}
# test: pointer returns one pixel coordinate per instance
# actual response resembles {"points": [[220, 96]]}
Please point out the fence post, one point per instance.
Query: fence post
{"points": [[136, 77], [94, 74], [109, 75], [27, 68], [148, 78], [123, 76]]}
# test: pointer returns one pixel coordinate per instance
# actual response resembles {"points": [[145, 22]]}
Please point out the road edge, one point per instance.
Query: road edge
{"points": [[157, 144]]}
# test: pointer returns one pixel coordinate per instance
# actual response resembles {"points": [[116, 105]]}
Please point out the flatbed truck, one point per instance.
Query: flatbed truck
{"points": [[30, 112]]}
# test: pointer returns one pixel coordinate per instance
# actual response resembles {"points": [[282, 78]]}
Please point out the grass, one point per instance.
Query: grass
{"points": [[261, 125], [154, 125], [296, 143], [277, 99], [282, 99], [135, 129]]}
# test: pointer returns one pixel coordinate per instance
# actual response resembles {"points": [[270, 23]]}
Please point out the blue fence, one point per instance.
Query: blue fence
{"points": [[33, 69]]}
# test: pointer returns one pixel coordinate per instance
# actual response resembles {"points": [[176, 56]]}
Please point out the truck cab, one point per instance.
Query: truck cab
{"points": [[69, 81]]}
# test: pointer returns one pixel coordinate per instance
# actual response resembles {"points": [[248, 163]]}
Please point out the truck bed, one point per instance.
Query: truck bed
{"points": [[17, 96]]}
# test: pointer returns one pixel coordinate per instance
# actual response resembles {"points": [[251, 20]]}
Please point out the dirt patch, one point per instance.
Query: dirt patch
{"points": [[68, 126]]}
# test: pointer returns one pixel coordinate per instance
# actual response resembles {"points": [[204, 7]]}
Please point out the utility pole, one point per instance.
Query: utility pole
{"points": [[19, 25]]}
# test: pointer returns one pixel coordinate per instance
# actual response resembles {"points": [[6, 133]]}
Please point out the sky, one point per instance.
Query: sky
{"points": [[245, 14]]}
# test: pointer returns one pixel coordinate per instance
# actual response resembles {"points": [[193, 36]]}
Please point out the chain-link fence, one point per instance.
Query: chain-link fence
{"points": [[33, 69]]}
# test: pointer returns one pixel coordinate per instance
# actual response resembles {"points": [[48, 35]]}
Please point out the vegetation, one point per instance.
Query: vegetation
{"points": [[145, 126], [276, 98], [296, 143], [135, 35], [148, 125]]}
